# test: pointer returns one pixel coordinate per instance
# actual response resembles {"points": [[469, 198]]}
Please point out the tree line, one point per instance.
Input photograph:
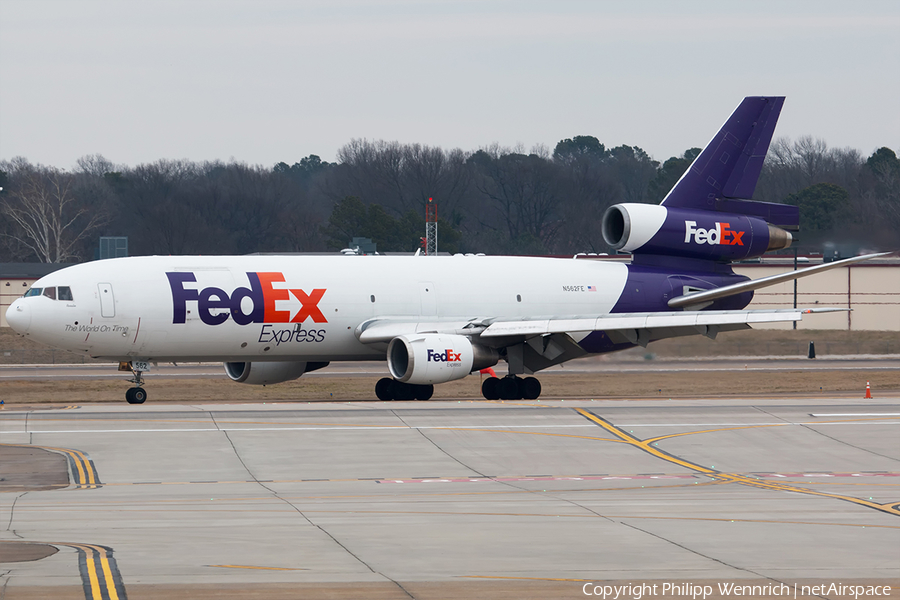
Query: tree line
{"points": [[494, 200]]}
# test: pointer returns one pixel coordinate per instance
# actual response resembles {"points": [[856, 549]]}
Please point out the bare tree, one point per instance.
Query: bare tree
{"points": [[635, 170], [154, 207], [522, 190], [401, 177], [96, 165], [48, 218]]}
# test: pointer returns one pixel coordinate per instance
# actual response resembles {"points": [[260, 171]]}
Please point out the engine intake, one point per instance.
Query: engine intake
{"points": [[435, 358]]}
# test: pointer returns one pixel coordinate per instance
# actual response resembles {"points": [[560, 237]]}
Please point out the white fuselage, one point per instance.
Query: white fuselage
{"points": [[128, 308]]}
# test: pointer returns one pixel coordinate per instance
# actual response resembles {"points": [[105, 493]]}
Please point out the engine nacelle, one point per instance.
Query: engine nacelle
{"points": [[435, 358], [264, 373], [709, 235]]}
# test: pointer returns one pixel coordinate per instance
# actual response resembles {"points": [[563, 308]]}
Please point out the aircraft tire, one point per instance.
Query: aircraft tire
{"points": [[530, 388], [383, 389], [424, 392], [136, 395], [489, 388], [402, 391], [509, 388]]}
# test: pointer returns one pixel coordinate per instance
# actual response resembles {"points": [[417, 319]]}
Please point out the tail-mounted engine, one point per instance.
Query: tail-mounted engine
{"points": [[691, 233], [435, 358]]}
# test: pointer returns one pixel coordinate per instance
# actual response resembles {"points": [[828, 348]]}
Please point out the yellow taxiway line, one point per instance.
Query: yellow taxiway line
{"points": [[648, 447]]}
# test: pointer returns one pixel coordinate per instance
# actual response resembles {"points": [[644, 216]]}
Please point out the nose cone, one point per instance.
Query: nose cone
{"points": [[18, 315]]}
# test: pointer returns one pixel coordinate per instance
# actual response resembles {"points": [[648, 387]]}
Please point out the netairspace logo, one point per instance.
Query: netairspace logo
{"points": [[637, 591]]}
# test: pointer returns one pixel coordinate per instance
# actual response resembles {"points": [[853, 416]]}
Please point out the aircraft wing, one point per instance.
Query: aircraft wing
{"points": [[384, 330], [495, 329], [541, 343], [702, 321]]}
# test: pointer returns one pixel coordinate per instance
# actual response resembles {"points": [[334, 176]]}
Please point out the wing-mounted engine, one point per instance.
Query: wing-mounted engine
{"points": [[435, 358], [264, 373], [690, 233]]}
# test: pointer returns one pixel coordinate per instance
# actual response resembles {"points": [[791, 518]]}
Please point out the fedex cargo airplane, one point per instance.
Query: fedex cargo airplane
{"points": [[435, 319]]}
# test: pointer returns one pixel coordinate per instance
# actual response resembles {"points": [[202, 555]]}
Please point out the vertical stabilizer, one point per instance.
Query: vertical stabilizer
{"points": [[730, 165]]}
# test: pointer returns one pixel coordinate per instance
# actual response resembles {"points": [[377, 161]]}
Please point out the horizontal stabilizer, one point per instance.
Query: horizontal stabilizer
{"points": [[785, 216], [700, 298]]}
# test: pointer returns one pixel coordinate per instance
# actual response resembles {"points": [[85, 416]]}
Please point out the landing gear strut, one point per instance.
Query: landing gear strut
{"points": [[511, 388], [391, 389]]}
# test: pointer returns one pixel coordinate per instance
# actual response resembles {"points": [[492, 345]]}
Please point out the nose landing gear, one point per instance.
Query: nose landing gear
{"points": [[137, 394]]}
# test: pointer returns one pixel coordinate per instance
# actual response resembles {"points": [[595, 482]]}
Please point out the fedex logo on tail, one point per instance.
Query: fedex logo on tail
{"points": [[262, 295], [721, 234], [447, 355]]}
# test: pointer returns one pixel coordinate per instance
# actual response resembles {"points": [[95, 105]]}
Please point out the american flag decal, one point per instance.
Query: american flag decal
{"points": [[592, 288]]}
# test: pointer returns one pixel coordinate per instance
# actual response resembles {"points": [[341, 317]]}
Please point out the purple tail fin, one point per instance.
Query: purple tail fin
{"points": [[730, 164]]}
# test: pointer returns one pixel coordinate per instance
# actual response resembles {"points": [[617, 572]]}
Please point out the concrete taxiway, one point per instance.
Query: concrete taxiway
{"points": [[451, 499], [584, 365]]}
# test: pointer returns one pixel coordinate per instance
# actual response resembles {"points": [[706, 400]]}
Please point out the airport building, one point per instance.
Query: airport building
{"points": [[871, 289]]}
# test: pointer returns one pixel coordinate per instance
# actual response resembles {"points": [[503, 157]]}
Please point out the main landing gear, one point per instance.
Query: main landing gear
{"points": [[511, 388], [391, 389]]}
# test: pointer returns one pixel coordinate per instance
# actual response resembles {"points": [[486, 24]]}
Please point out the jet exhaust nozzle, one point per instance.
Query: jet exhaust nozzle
{"points": [[779, 238]]}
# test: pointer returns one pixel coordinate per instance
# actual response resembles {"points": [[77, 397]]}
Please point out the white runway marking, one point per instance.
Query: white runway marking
{"points": [[854, 414], [622, 426]]}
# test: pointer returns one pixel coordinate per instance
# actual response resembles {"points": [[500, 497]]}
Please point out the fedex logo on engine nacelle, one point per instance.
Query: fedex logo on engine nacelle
{"points": [[722, 234], [262, 295], [447, 355]]}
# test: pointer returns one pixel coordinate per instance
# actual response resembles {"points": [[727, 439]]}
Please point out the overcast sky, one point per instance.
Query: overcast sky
{"points": [[268, 81]]}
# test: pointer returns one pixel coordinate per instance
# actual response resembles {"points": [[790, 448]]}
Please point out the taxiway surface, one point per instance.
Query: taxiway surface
{"points": [[454, 499], [586, 365]]}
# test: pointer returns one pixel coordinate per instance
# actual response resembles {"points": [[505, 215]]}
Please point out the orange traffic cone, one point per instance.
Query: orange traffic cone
{"points": [[868, 391]]}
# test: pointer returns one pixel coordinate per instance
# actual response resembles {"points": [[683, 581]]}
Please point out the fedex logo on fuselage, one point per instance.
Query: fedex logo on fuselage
{"points": [[447, 355], [721, 234], [214, 305]]}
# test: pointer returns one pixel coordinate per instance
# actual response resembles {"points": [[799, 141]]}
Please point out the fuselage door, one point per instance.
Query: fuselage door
{"points": [[107, 301]]}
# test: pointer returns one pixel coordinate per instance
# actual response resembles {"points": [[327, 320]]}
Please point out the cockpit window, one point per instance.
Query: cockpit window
{"points": [[62, 292]]}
